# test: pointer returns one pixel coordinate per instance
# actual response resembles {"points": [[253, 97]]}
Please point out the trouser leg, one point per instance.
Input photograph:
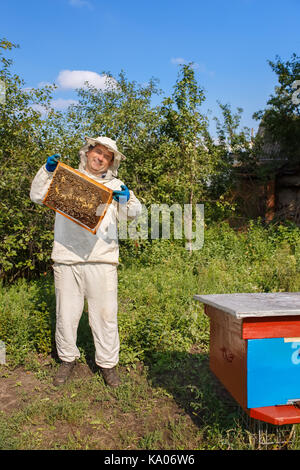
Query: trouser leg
{"points": [[69, 292], [101, 293]]}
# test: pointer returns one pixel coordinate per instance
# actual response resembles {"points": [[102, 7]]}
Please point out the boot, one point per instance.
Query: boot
{"points": [[63, 373], [110, 376]]}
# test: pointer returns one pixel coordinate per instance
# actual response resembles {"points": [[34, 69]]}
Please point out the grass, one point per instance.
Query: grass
{"points": [[141, 414], [168, 398], [150, 410]]}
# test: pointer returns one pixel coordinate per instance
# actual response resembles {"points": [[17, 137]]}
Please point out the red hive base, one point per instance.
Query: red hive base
{"points": [[279, 415]]}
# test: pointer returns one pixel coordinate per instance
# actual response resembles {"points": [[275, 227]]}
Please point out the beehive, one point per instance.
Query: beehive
{"points": [[255, 351], [78, 197]]}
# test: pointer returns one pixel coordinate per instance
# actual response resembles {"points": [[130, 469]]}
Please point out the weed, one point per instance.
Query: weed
{"points": [[151, 441], [66, 409]]}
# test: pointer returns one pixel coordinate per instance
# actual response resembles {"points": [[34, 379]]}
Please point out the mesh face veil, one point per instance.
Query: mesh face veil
{"points": [[110, 144]]}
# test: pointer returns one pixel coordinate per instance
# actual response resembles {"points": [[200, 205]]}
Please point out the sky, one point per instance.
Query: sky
{"points": [[229, 41]]}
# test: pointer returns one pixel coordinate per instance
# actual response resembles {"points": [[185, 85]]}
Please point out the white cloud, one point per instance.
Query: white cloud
{"points": [[178, 61], [42, 84], [200, 67], [203, 69], [39, 108], [62, 103], [28, 89], [81, 3], [71, 79], [182, 61]]}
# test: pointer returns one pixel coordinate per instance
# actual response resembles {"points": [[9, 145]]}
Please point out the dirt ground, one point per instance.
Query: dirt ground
{"points": [[86, 414], [181, 407]]}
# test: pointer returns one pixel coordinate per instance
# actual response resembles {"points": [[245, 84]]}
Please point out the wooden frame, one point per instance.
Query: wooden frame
{"points": [[228, 353], [104, 197]]}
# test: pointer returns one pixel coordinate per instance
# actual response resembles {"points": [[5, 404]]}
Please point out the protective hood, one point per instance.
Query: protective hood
{"points": [[112, 172]]}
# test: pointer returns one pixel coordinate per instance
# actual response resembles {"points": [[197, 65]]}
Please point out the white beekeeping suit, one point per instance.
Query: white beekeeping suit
{"points": [[85, 266]]}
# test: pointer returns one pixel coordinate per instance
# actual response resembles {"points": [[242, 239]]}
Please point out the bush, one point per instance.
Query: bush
{"points": [[26, 318]]}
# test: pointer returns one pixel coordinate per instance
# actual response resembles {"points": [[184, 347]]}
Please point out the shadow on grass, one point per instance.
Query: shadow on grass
{"points": [[187, 377]]}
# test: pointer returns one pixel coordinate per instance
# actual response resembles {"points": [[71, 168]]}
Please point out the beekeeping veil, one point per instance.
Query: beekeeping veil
{"points": [[111, 145]]}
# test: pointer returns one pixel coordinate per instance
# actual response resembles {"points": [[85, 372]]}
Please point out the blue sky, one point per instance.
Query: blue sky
{"points": [[230, 42]]}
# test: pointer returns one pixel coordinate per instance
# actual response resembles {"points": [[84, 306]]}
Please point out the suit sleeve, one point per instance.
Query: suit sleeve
{"points": [[134, 207], [40, 185]]}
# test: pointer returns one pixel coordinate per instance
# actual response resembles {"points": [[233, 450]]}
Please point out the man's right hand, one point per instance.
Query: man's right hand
{"points": [[52, 162]]}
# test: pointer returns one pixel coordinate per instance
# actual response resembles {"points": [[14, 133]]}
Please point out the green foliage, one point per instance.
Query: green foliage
{"points": [[171, 157], [280, 120], [25, 140], [26, 322], [159, 324], [122, 111], [157, 313], [233, 148], [190, 161]]}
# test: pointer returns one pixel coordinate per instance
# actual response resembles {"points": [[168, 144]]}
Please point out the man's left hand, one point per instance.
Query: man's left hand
{"points": [[122, 196]]}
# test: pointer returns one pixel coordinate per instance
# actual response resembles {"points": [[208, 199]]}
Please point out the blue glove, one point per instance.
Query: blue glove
{"points": [[121, 194], [52, 161]]}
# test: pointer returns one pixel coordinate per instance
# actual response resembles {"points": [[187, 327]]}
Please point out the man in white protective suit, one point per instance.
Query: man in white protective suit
{"points": [[85, 264]]}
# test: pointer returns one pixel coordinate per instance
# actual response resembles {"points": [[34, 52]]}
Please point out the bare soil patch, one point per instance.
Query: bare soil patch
{"points": [[86, 414]]}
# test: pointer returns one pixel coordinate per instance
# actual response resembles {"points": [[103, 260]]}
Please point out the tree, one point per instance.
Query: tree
{"points": [[25, 140], [184, 127], [123, 112], [171, 157], [280, 120]]}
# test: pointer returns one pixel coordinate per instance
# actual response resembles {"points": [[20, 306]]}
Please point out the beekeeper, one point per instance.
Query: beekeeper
{"points": [[85, 265]]}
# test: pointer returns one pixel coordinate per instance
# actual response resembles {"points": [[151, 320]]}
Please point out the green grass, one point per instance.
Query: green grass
{"points": [[151, 410], [168, 399]]}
